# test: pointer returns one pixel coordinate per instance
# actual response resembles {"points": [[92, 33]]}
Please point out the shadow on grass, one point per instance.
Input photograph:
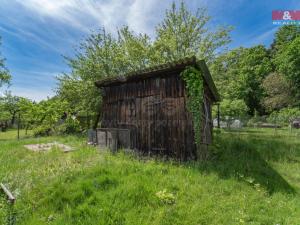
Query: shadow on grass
{"points": [[246, 159]]}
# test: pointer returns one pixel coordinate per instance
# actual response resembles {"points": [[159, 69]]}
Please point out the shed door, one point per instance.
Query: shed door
{"points": [[157, 137], [156, 125]]}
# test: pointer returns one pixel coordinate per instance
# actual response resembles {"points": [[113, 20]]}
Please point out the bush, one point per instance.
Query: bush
{"points": [[71, 125], [42, 130], [284, 116], [256, 120]]}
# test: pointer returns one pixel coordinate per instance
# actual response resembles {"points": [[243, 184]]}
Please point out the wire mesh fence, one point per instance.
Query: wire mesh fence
{"points": [[290, 127]]}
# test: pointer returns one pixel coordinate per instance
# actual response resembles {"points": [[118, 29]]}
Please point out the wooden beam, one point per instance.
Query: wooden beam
{"points": [[218, 115], [9, 195], [19, 126]]}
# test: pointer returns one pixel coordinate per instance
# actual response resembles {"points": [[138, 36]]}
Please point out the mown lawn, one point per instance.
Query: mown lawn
{"points": [[252, 178]]}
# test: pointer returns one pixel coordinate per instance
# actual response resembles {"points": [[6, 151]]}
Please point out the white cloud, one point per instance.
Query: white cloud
{"points": [[142, 15], [31, 36], [33, 84], [31, 75], [87, 15], [266, 35], [262, 38], [57, 24], [62, 10], [33, 94]]}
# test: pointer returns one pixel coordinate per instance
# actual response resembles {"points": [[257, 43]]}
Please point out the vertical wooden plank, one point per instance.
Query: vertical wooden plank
{"points": [[161, 121]]}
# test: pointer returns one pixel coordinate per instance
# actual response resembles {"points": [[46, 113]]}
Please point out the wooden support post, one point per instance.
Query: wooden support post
{"points": [[19, 126], [9, 195], [87, 121], [218, 115]]}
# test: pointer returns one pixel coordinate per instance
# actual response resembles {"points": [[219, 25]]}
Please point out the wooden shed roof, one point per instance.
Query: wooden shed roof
{"points": [[163, 70]]}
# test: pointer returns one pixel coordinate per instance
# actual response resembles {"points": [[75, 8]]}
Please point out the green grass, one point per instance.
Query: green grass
{"points": [[13, 134], [252, 178]]}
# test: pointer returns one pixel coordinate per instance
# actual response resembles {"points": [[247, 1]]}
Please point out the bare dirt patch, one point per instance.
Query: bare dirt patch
{"points": [[48, 146]]}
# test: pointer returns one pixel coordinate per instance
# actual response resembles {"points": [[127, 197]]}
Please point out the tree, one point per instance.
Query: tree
{"points": [[184, 33], [232, 109], [47, 115], [99, 57], [10, 105], [4, 114], [225, 71], [27, 110], [255, 65], [288, 63], [94, 60], [239, 74], [102, 55], [284, 36], [4, 73], [136, 51], [278, 94]]}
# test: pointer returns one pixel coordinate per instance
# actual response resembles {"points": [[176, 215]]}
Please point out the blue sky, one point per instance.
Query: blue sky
{"points": [[37, 33]]}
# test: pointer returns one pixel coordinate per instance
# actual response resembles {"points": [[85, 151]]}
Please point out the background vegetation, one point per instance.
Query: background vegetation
{"points": [[256, 81]]}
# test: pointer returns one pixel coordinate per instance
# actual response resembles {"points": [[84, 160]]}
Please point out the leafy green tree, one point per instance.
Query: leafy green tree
{"points": [[255, 65], [4, 73], [102, 55], [284, 36], [225, 71], [27, 109], [4, 114], [278, 92], [136, 51], [10, 105], [288, 63], [94, 60], [239, 74], [233, 109], [48, 115], [99, 57], [184, 33]]}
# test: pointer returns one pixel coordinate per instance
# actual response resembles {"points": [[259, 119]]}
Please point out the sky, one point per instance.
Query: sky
{"points": [[36, 34]]}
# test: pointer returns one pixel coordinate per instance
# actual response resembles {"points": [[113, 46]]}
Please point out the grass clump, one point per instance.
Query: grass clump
{"points": [[166, 197]]}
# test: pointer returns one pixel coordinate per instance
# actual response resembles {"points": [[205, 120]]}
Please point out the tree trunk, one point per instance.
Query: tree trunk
{"points": [[13, 118], [97, 119]]}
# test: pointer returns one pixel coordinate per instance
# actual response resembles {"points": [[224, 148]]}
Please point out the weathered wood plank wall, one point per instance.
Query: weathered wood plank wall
{"points": [[154, 109]]}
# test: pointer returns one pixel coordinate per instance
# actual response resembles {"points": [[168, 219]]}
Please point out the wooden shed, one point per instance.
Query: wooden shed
{"points": [[146, 111]]}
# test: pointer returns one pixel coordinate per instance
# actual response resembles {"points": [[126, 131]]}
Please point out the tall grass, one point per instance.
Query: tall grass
{"points": [[252, 178]]}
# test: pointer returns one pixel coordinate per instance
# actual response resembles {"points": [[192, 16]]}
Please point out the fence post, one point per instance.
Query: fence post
{"points": [[18, 125], [218, 115]]}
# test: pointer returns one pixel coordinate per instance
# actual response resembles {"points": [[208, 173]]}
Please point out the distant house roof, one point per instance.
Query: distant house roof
{"points": [[163, 70]]}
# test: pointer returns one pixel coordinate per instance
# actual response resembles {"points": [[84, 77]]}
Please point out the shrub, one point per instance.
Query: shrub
{"points": [[42, 130], [70, 125], [284, 116]]}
